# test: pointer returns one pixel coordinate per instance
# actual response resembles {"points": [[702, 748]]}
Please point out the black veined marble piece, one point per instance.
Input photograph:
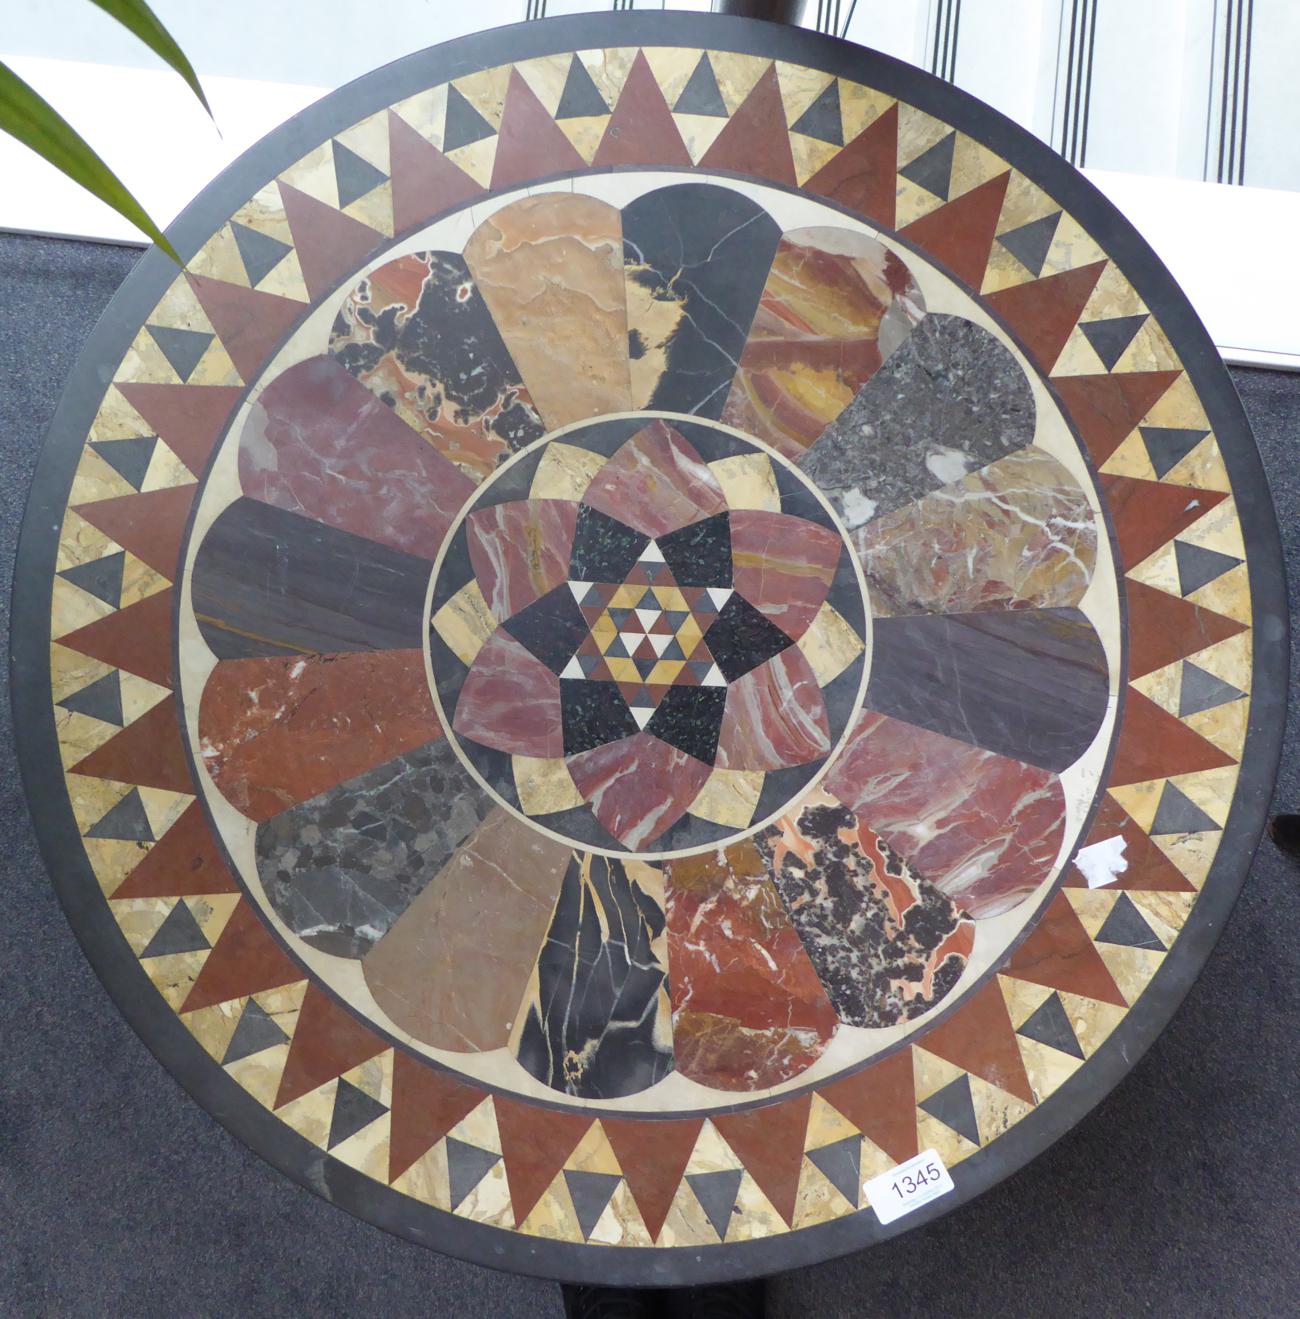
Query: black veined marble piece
{"points": [[604, 549], [700, 554], [690, 718], [741, 638], [552, 628]]}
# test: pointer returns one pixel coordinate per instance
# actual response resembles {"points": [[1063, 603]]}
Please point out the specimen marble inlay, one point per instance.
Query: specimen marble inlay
{"points": [[651, 628]]}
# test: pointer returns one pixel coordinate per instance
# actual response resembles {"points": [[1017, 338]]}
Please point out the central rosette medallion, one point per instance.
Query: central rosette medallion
{"points": [[647, 634]]}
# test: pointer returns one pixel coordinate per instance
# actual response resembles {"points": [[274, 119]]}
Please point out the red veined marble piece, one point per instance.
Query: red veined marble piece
{"points": [[1106, 409], [1153, 744], [248, 322], [150, 525], [880, 1101], [641, 130], [656, 482], [425, 182], [748, 1009], [783, 565], [511, 701], [979, 1037], [530, 143], [638, 786], [769, 1142], [1147, 514], [520, 550], [319, 443], [328, 243], [535, 1142], [1058, 953], [277, 730], [1045, 311], [427, 1103], [775, 716], [328, 1041], [1146, 867], [1164, 628], [137, 638], [148, 752], [756, 139], [864, 176], [653, 1157], [982, 828], [960, 233], [246, 959], [186, 861], [188, 419]]}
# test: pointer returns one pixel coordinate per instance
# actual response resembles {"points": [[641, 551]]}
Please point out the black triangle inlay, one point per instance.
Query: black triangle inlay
{"points": [[1179, 814], [716, 1192], [101, 578], [179, 933], [1126, 926], [841, 1165], [932, 169], [126, 822], [1167, 446], [822, 118], [1050, 1025], [129, 458], [102, 699], [955, 1108], [1203, 691], [1198, 566], [353, 1110], [701, 94], [354, 176], [1031, 243], [467, 1165], [464, 124], [259, 252], [181, 348], [590, 1193], [257, 1030], [1109, 339], [581, 97]]}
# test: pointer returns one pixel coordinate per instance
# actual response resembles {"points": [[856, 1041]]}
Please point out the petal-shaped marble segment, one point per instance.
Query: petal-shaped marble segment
{"points": [[418, 335], [274, 731], [698, 257], [1017, 534], [656, 482], [983, 829], [550, 269], [951, 400], [598, 1024], [511, 701], [775, 717], [318, 443], [783, 565], [455, 967], [269, 582], [1030, 684], [836, 304], [340, 868], [886, 944], [748, 1008], [520, 550], [638, 787]]}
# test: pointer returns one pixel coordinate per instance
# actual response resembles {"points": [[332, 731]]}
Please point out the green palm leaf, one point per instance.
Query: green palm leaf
{"points": [[140, 20]]}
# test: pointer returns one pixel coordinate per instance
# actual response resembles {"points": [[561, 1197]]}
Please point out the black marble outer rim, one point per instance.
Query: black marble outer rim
{"points": [[164, 1032]]}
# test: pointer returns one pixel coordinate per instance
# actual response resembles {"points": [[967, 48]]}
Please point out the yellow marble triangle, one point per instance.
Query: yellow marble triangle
{"points": [[139, 919], [264, 211], [163, 808], [476, 159], [71, 671], [369, 140], [1131, 968], [479, 1127], [486, 91], [621, 1223], [374, 1077], [1078, 357], [931, 1073], [594, 1153], [736, 75], [79, 735], [800, 87], [1225, 726], [1228, 595], [72, 608], [214, 1027], [427, 1178], [212, 911], [219, 258], [585, 132], [711, 1152], [1163, 686], [754, 1215], [546, 77], [1092, 906], [951, 1146], [672, 67], [314, 175], [826, 1125], [310, 1114], [1071, 248], [285, 279], [260, 1073], [1022, 998], [113, 860], [81, 542], [553, 1215], [996, 1111], [1048, 1069], [1149, 351], [1130, 459], [367, 1150], [94, 479], [860, 107], [810, 155], [489, 1202], [1140, 800], [426, 112], [1202, 468], [173, 975], [375, 208], [609, 69], [1193, 854], [1091, 1020], [699, 132], [972, 165], [1165, 913]]}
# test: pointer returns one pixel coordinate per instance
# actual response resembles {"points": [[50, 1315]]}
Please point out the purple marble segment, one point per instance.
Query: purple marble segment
{"points": [[319, 443], [520, 550], [511, 701], [775, 717]]}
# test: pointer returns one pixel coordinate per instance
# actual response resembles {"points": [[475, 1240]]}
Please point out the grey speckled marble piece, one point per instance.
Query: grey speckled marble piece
{"points": [[951, 400], [341, 868]]}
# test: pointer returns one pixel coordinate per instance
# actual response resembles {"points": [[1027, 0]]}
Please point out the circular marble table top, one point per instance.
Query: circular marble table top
{"points": [[668, 614]]}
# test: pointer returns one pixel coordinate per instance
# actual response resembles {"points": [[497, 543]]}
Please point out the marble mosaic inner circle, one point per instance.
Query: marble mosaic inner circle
{"points": [[670, 612]]}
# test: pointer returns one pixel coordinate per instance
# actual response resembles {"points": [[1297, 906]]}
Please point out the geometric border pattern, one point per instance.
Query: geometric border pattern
{"points": [[535, 1169]]}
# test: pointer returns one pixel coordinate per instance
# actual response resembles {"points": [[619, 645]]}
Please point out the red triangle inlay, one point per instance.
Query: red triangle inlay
{"points": [[863, 175], [328, 1042], [1059, 954], [137, 638], [244, 960], [1146, 514], [150, 525], [644, 651], [960, 233], [1154, 745], [880, 1101], [769, 1142], [427, 1103], [185, 862], [1147, 868], [329, 243], [534, 1144], [641, 130], [187, 418], [530, 144], [248, 322], [1163, 628], [148, 752], [1105, 409], [756, 139], [1045, 311], [425, 182], [978, 1037], [653, 1157]]}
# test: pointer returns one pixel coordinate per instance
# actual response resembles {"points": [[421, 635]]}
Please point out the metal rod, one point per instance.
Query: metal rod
{"points": [[775, 11]]}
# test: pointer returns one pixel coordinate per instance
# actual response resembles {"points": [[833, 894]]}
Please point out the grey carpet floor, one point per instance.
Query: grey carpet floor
{"points": [[1177, 1196]]}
